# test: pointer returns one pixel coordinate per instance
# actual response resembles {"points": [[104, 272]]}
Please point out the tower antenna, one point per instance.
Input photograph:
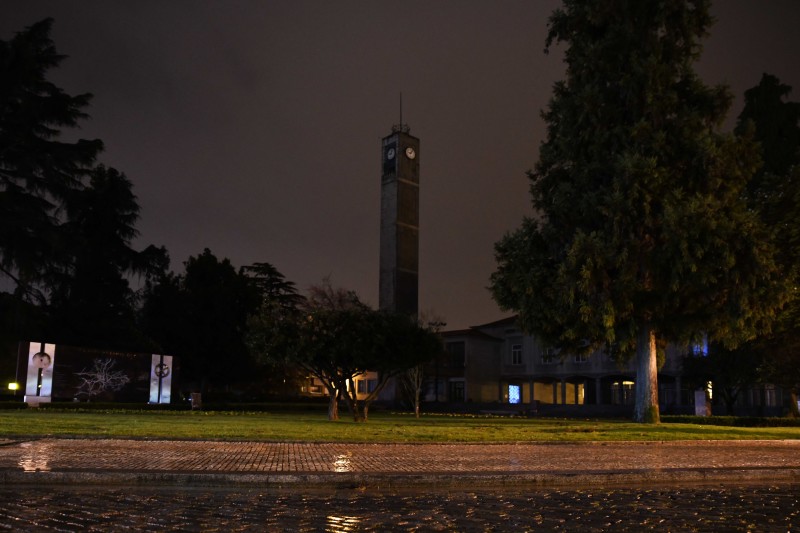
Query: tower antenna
{"points": [[401, 127]]}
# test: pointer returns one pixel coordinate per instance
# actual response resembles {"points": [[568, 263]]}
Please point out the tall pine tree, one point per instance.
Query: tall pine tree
{"points": [[38, 170], [641, 235], [775, 194]]}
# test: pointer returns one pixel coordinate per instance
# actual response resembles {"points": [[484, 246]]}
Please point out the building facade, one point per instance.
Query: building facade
{"points": [[497, 362]]}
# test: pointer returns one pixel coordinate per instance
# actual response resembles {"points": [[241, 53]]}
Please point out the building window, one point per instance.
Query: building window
{"points": [[582, 358], [700, 348], [514, 395], [456, 391], [371, 384], [549, 356], [516, 354], [456, 352], [622, 392], [360, 386]]}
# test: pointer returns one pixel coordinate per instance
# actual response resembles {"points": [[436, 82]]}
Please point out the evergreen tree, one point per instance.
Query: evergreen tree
{"points": [[641, 235], [774, 193], [272, 285], [66, 225], [38, 171], [201, 316], [92, 303]]}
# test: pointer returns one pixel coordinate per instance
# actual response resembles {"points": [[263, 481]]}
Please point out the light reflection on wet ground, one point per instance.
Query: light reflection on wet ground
{"points": [[35, 457], [719, 508]]}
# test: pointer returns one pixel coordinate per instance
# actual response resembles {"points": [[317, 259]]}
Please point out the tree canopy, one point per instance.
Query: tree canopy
{"points": [[38, 170], [66, 222], [92, 303], [335, 337], [774, 192], [641, 234], [201, 315]]}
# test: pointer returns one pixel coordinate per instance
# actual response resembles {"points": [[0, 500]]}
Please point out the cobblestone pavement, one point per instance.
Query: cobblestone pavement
{"points": [[762, 508], [219, 463], [143, 485]]}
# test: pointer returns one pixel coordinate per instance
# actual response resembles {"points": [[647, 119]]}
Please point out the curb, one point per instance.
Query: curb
{"points": [[399, 481]]}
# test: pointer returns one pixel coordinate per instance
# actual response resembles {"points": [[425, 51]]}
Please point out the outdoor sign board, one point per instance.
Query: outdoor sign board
{"points": [[53, 372]]}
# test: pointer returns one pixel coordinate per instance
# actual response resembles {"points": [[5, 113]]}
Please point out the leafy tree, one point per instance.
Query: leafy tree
{"points": [[336, 338], [641, 234], [402, 344], [202, 317], [774, 193], [729, 371], [92, 301], [777, 129], [412, 380], [163, 315], [279, 295], [38, 171]]}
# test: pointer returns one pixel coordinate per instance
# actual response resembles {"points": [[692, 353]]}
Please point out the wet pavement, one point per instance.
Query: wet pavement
{"points": [[276, 464], [675, 508], [146, 485]]}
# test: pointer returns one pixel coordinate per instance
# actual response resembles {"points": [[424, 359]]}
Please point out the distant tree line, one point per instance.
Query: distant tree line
{"points": [[67, 223]]}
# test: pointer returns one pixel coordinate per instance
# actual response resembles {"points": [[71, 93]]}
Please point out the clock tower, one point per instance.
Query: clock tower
{"points": [[399, 261]]}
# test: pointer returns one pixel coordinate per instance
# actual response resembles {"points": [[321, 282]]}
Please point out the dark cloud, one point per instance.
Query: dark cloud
{"points": [[253, 128]]}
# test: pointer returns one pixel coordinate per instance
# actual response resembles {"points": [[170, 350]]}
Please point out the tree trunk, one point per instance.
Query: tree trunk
{"points": [[353, 403], [358, 414], [794, 408], [416, 404], [646, 409], [333, 404], [729, 397]]}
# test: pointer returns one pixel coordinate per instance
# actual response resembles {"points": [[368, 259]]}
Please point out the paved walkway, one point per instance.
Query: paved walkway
{"points": [[215, 463]]}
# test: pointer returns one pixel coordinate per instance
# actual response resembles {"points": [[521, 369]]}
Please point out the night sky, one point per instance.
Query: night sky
{"points": [[253, 128]]}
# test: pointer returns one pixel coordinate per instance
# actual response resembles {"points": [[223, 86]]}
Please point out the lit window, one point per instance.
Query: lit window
{"points": [[700, 348], [513, 394]]}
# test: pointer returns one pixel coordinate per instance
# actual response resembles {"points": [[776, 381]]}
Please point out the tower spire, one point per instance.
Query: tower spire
{"points": [[401, 127]]}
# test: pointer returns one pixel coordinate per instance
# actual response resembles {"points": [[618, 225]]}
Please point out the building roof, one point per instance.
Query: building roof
{"points": [[471, 332], [510, 321]]}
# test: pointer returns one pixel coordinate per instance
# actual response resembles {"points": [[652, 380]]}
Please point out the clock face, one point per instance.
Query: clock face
{"points": [[390, 153], [410, 153]]}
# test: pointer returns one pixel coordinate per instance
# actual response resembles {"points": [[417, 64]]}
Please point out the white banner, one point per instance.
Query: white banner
{"points": [[39, 384], [160, 378]]}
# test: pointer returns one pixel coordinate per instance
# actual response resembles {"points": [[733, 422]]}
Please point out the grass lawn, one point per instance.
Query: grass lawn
{"points": [[382, 427]]}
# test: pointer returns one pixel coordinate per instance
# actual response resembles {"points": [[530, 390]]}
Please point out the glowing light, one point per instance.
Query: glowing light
{"points": [[342, 463], [342, 524], [13, 386], [514, 394], [36, 457]]}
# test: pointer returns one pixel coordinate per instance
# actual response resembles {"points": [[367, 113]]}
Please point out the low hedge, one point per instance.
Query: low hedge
{"points": [[733, 421], [180, 406]]}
